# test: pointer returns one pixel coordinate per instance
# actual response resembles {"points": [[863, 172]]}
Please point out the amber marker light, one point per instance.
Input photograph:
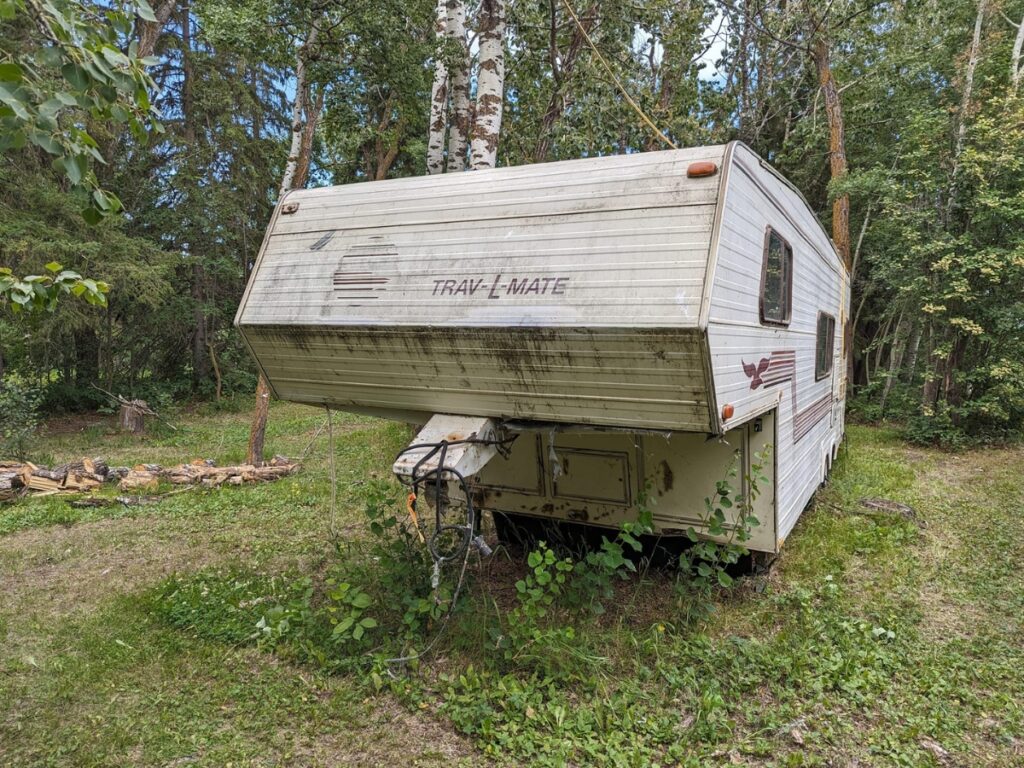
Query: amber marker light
{"points": [[727, 411], [702, 168]]}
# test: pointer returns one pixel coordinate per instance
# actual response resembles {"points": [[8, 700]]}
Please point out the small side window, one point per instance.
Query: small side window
{"points": [[825, 349], [776, 280]]}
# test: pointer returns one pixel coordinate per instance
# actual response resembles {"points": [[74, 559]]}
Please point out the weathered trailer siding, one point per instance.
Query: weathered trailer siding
{"points": [[810, 412], [622, 378], [566, 292]]}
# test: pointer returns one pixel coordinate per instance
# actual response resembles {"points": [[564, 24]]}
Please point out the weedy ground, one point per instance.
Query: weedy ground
{"points": [[126, 633]]}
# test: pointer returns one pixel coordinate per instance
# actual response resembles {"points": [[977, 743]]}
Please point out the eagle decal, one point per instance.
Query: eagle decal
{"points": [[754, 372]]}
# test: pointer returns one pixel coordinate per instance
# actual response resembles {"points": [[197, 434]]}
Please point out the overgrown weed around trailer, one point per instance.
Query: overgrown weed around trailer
{"points": [[134, 639]]}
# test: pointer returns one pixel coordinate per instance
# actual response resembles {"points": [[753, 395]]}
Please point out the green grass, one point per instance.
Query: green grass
{"points": [[126, 633]]}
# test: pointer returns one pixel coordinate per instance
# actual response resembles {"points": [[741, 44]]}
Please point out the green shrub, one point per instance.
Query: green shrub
{"points": [[19, 418]]}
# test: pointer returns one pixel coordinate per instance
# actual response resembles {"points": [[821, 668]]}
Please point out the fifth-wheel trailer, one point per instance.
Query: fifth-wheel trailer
{"points": [[638, 322]]}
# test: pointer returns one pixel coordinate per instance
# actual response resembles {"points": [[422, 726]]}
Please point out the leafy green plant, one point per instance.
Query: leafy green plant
{"points": [[728, 516], [37, 293], [345, 609], [594, 576], [76, 64], [533, 634], [19, 417]]}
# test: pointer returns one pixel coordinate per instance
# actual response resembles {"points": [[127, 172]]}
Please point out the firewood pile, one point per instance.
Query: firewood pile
{"points": [[77, 476], [205, 472], [17, 478]]}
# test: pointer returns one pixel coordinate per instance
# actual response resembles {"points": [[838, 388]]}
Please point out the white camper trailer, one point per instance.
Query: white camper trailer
{"points": [[637, 322]]}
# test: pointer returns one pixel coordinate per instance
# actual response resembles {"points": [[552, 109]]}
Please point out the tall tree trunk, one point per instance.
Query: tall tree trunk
{"points": [[458, 128], [968, 92], [930, 390], [820, 54], [299, 112], [148, 32], [313, 109], [1016, 68], [293, 168], [438, 94], [896, 351], [200, 357], [836, 145], [912, 349], [965, 106], [490, 88]]}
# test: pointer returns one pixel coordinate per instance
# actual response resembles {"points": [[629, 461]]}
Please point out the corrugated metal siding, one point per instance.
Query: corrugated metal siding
{"points": [[624, 378], [628, 235], [589, 246], [736, 335]]}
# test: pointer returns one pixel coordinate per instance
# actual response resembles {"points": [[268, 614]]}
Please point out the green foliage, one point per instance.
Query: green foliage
{"points": [[728, 518], [525, 639], [71, 63], [40, 292], [321, 628], [220, 605], [19, 418]]}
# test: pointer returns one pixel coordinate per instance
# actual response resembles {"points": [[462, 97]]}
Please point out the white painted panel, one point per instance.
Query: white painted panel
{"points": [[602, 242], [757, 367]]}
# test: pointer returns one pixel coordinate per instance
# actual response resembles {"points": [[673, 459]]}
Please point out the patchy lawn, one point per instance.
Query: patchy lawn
{"points": [[877, 639]]}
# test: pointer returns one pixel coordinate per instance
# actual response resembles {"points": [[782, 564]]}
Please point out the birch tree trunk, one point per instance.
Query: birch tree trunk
{"points": [[438, 94], [896, 351], [1016, 68], [294, 175], [299, 110], [459, 122], [490, 93], [972, 65]]}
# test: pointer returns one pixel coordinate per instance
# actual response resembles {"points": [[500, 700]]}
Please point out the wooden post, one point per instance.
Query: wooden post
{"points": [[258, 432]]}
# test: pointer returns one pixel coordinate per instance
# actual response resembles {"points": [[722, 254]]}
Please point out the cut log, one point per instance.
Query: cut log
{"points": [[82, 481], [57, 475], [139, 480], [10, 481]]}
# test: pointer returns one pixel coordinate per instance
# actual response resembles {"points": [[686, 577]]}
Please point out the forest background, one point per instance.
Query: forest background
{"points": [[144, 147]]}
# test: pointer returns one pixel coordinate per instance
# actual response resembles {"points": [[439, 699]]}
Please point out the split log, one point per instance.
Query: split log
{"points": [[40, 483], [139, 480], [91, 467]]}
